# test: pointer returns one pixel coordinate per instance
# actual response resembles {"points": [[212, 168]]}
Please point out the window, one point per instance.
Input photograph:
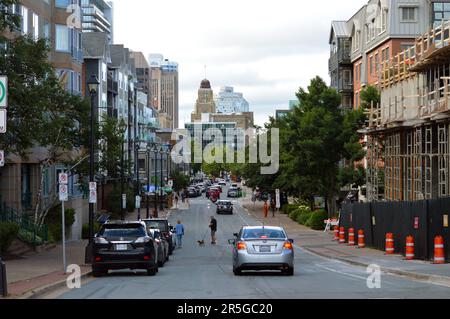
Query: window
{"points": [[35, 26], [408, 14], [62, 39], [377, 63], [46, 29], [383, 20], [24, 20], [62, 3], [441, 11]]}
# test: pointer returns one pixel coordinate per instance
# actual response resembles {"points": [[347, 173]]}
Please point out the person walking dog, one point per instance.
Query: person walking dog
{"points": [[179, 230], [213, 226]]}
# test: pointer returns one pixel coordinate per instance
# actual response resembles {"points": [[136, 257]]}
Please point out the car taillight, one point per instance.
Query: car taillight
{"points": [[146, 257], [100, 240], [241, 246], [288, 246], [98, 259]]}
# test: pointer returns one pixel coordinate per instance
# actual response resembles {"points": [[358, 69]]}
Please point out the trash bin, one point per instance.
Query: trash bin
{"points": [[3, 281]]}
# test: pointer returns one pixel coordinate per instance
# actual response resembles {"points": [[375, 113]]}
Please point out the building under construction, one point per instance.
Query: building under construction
{"points": [[408, 133]]}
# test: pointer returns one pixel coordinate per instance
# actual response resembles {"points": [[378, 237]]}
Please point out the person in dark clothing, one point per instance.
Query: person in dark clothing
{"points": [[213, 226]]}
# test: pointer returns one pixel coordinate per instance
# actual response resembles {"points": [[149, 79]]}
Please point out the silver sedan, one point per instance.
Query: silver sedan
{"points": [[262, 248]]}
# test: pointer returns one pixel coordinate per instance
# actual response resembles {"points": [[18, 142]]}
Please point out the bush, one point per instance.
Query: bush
{"points": [[8, 232], [28, 237], [316, 220], [85, 230], [302, 214], [54, 221], [288, 208]]}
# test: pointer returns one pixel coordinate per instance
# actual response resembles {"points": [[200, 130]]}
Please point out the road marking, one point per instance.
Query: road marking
{"points": [[341, 272]]}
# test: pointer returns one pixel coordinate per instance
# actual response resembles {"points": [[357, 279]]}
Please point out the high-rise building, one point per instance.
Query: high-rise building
{"points": [[227, 101], [97, 16], [142, 74], [205, 104], [164, 89]]}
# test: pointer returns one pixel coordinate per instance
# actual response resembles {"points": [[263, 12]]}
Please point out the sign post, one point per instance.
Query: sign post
{"points": [[63, 197], [92, 193], [278, 198]]}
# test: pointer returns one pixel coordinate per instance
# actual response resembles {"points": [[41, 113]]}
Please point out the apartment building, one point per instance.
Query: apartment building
{"points": [[97, 16], [412, 121]]}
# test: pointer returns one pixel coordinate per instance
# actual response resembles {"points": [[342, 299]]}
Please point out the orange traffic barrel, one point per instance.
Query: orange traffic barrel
{"points": [[410, 253], [361, 239], [439, 255], [351, 237], [390, 244], [342, 235], [336, 233]]}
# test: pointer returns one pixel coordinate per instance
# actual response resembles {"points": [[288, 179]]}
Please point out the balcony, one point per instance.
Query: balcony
{"points": [[341, 57], [113, 86], [345, 86]]}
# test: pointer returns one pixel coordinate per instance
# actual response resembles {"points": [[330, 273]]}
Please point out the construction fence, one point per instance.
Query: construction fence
{"points": [[423, 220]]}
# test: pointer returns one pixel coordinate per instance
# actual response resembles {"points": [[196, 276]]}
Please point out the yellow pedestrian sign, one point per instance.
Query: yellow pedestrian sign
{"points": [[3, 92]]}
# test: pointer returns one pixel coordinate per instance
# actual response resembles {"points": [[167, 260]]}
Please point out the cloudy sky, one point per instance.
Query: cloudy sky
{"points": [[266, 49]]}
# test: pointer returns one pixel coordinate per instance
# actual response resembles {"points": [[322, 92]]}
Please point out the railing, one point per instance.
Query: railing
{"points": [[29, 232]]}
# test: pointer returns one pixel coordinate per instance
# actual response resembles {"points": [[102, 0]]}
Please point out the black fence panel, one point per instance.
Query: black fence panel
{"points": [[345, 218], [418, 228], [362, 220], [438, 210], [383, 222]]}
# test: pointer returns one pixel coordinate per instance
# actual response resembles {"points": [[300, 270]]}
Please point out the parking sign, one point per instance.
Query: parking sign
{"points": [[63, 178], [2, 158], [3, 92], [63, 193], [2, 121]]}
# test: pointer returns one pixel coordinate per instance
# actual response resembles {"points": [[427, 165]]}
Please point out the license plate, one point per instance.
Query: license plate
{"points": [[264, 249], [122, 247]]}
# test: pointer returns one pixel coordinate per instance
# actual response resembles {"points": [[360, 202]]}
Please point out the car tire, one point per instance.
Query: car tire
{"points": [[167, 257], [96, 272], [152, 271], [161, 263], [237, 271], [289, 271]]}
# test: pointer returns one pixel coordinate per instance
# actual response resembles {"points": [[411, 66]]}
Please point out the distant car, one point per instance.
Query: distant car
{"points": [[262, 248], [192, 192], [124, 245], [163, 225], [233, 192], [234, 185], [224, 206], [163, 246], [222, 183]]}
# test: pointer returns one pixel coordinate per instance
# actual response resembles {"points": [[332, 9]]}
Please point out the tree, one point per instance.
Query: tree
{"points": [[370, 94], [180, 181]]}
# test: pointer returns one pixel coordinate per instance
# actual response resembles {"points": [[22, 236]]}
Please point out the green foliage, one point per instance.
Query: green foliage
{"points": [[54, 221], [316, 220], [114, 201], [288, 208], [8, 232], [300, 214], [180, 181], [29, 238], [368, 95], [85, 230]]}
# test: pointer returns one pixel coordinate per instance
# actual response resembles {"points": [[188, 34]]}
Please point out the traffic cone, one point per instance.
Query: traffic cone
{"points": [[351, 237], [342, 235], [410, 254], [390, 244], [439, 255], [336, 233], [361, 239]]}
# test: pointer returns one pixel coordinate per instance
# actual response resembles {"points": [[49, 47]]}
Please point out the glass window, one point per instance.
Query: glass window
{"points": [[35, 26], [408, 14], [24, 20], [62, 3], [441, 11], [62, 39], [46, 30]]}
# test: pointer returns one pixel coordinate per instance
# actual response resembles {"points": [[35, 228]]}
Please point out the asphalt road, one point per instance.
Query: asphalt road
{"points": [[195, 272]]}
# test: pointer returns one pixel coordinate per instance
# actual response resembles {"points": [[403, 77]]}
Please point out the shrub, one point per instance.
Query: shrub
{"points": [[85, 230], [8, 232], [288, 208], [316, 220], [28, 237], [54, 221], [303, 214]]}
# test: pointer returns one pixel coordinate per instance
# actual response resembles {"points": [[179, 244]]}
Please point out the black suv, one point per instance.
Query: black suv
{"points": [[224, 206], [165, 229], [124, 245]]}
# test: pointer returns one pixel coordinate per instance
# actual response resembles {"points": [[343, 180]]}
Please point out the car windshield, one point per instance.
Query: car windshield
{"points": [[224, 203], [157, 224], [263, 233], [116, 231]]}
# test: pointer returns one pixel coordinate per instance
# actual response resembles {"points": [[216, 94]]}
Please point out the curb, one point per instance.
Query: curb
{"points": [[37, 293], [433, 279]]}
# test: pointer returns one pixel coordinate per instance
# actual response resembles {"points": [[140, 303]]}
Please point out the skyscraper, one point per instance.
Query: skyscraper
{"points": [[97, 16], [228, 101], [164, 89]]}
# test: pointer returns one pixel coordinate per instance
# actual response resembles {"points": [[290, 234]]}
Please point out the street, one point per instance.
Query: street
{"points": [[195, 272]]}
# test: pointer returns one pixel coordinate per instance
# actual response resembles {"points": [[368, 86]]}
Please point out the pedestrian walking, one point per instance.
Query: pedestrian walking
{"points": [[176, 199], [179, 230], [273, 206], [266, 209], [213, 226]]}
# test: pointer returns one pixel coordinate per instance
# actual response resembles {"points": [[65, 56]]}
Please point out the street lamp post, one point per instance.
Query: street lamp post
{"points": [[93, 84], [149, 158], [155, 150], [136, 164], [161, 152]]}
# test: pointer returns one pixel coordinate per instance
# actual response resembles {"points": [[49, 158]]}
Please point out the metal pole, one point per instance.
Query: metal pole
{"points": [[122, 187], [3, 279], [63, 217], [156, 182], [161, 171], [89, 248], [148, 181]]}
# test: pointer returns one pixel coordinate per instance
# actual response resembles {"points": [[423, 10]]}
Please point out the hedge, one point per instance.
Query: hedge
{"points": [[8, 232], [316, 220]]}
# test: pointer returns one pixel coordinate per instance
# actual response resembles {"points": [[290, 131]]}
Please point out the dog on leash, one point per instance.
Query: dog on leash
{"points": [[201, 242]]}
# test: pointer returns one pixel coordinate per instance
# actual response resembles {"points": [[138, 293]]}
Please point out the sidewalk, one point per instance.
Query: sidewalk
{"points": [[321, 243], [36, 271]]}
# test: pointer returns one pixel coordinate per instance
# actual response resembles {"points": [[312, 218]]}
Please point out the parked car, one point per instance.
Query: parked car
{"points": [[262, 248], [222, 183], [166, 231], [224, 206], [192, 192], [163, 246], [124, 245]]}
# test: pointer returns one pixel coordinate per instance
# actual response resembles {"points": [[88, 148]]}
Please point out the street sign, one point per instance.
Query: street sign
{"points": [[63, 193], [416, 222], [63, 178], [2, 158], [138, 201], [3, 92], [2, 121], [93, 186], [170, 183], [93, 196], [124, 201], [278, 199]]}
